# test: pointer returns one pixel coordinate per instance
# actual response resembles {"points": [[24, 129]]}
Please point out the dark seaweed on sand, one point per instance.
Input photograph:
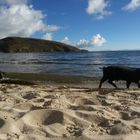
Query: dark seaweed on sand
{"points": [[16, 81]]}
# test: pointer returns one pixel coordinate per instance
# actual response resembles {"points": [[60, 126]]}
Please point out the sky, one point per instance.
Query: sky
{"points": [[95, 25]]}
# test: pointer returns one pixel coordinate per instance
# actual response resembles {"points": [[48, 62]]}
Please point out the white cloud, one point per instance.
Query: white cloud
{"points": [[96, 41], [83, 43], [12, 2], [48, 36], [20, 19], [133, 5], [51, 28], [65, 40], [98, 8]]}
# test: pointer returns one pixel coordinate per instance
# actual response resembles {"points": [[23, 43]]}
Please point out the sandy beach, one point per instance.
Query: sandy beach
{"points": [[69, 70], [62, 111]]}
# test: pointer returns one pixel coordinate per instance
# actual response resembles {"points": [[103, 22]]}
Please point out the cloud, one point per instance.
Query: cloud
{"points": [[96, 41], [83, 43], [12, 2], [66, 40], [52, 28], [17, 18], [133, 5], [98, 8], [48, 36]]}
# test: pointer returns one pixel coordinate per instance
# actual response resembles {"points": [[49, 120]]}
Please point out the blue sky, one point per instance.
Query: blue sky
{"points": [[88, 24]]}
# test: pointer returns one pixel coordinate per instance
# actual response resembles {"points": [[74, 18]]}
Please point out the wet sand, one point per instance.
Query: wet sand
{"points": [[76, 81]]}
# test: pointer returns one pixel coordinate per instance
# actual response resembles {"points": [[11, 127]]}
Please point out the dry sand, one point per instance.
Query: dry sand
{"points": [[43, 112]]}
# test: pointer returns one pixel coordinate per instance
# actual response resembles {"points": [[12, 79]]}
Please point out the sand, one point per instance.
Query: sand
{"points": [[45, 111]]}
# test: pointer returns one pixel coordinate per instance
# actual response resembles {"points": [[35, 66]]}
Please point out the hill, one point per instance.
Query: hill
{"points": [[19, 45]]}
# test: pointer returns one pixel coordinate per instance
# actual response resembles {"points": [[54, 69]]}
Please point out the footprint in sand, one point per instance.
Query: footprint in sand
{"points": [[81, 103], [43, 117], [120, 129], [2, 122], [29, 95], [47, 103], [126, 115], [50, 97], [86, 108], [74, 130]]}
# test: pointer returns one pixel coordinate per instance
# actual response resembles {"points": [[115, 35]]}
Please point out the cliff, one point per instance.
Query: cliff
{"points": [[19, 45]]}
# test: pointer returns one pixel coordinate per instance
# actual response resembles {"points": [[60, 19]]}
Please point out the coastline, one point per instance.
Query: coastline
{"points": [[44, 77], [68, 80], [53, 79]]}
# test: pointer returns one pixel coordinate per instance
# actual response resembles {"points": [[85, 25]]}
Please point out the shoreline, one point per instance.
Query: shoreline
{"points": [[68, 80], [50, 77]]}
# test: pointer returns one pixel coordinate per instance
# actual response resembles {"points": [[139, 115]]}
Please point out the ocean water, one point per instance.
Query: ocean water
{"points": [[81, 64]]}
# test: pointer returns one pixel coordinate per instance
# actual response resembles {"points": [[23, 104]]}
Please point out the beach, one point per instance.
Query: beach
{"points": [[68, 110], [69, 70]]}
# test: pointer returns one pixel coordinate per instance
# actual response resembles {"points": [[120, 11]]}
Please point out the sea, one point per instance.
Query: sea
{"points": [[87, 64]]}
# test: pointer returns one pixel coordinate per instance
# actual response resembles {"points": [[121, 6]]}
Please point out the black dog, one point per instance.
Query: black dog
{"points": [[115, 73]]}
